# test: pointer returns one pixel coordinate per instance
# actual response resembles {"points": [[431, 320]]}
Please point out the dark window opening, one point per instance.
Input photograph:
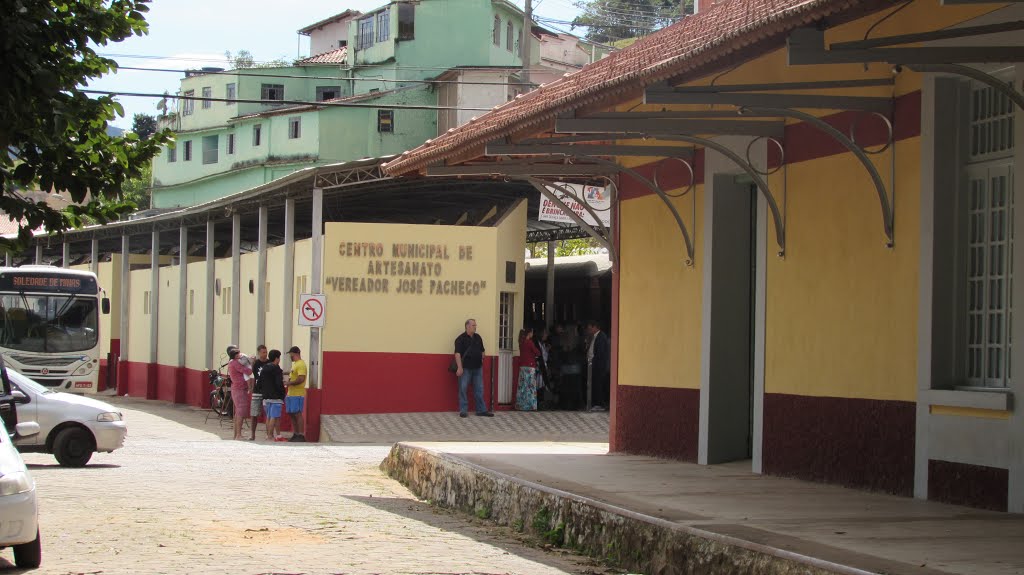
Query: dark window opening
{"points": [[406, 22], [188, 151], [272, 92], [386, 121], [327, 93]]}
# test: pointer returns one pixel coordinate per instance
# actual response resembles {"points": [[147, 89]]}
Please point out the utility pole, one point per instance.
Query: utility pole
{"points": [[527, 40]]}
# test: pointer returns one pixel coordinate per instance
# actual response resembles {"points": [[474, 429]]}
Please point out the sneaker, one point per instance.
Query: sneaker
{"points": [[297, 438], [485, 414], [463, 414]]}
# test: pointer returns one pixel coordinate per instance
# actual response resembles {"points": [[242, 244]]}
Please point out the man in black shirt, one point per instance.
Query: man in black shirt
{"points": [[257, 399], [270, 384], [469, 357]]}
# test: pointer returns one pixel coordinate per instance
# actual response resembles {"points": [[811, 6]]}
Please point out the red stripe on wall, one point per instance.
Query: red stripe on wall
{"points": [[657, 421], [365, 382], [864, 443], [973, 485], [802, 142]]}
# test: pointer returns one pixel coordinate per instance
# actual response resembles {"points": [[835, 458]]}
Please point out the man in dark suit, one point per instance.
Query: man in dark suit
{"points": [[599, 360]]}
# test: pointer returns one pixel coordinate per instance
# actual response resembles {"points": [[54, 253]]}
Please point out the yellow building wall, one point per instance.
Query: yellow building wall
{"points": [[247, 321], [140, 281], [841, 316], [660, 303], [196, 320], [425, 322], [511, 247], [303, 273], [170, 315]]}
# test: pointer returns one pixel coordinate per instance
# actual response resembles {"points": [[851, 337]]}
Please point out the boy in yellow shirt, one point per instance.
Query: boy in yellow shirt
{"points": [[296, 398]]}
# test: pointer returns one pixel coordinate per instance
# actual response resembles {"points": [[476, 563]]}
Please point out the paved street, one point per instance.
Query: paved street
{"points": [[179, 498]]}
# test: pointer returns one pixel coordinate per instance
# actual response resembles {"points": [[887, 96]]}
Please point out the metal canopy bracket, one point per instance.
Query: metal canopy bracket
{"points": [[883, 198], [865, 103], [1012, 93], [807, 46], [670, 125], [509, 169]]}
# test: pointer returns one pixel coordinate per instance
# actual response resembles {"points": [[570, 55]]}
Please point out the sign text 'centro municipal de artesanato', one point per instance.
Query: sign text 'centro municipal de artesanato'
{"points": [[405, 268]]}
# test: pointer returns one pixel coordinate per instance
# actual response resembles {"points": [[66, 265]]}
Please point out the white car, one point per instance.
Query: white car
{"points": [[19, 516], [72, 427]]}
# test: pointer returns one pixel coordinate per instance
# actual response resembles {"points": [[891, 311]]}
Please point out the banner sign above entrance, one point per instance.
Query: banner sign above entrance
{"points": [[596, 196]]}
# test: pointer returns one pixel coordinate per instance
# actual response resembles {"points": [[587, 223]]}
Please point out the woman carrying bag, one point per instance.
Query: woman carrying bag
{"points": [[526, 395]]}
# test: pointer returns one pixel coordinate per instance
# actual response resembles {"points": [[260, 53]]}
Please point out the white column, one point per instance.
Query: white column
{"points": [[7, 259], [236, 277], [317, 281], [211, 279], [261, 279], [94, 256], [154, 299], [288, 280], [39, 253], [183, 295], [126, 257], [549, 300], [65, 256]]}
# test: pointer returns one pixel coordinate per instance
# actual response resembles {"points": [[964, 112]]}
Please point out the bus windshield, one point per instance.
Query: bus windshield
{"points": [[48, 323]]}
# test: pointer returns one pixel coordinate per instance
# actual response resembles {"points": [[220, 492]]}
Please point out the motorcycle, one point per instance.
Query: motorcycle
{"points": [[220, 395]]}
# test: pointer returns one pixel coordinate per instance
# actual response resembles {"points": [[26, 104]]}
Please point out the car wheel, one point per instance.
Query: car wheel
{"points": [[29, 555], [73, 447]]}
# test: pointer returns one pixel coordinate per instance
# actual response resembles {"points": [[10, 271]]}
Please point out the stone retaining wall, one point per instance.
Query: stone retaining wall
{"points": [[626, 539]]}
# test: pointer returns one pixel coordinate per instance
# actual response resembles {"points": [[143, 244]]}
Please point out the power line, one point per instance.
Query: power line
{"points": [[296, 76], [325, 104]]}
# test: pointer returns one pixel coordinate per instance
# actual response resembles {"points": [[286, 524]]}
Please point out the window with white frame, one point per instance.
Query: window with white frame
{"points": [[211, 147], [231, 144], [364, 38], [207, 93], [509, 30], [383, 25], [188, 105], [172, 154], [294, 128], [505, 315], [257, 135], [230, 93], [188, 151], [988, 237], [272, 92], [497, 31]]}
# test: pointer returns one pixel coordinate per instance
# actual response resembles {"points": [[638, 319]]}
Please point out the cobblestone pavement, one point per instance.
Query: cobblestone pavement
{"points": [[181, 499]]}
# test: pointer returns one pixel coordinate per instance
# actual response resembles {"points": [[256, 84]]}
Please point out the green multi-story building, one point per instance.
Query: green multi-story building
{"points": [[351, 98]]}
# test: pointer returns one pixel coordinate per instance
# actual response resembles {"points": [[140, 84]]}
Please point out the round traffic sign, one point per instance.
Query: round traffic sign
{"points": [[312, 309]]}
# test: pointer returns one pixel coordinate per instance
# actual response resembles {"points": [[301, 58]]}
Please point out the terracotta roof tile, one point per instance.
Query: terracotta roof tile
{"points": [[693, 44], [336, 56]]}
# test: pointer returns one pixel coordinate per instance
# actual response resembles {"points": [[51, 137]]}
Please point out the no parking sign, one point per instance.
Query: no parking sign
{"points": [[312, 309]]}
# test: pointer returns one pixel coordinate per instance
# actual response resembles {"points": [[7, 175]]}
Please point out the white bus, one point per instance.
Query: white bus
{"points": [[50, 325]]}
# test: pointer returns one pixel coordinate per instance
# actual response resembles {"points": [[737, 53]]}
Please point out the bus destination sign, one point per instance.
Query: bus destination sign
{"points": [[51, 283]]}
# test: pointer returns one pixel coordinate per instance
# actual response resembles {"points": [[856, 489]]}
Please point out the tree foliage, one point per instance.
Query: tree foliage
{"points": [[243, 59], [608, 21], [53, 134], [144, 125], [576, 247]]}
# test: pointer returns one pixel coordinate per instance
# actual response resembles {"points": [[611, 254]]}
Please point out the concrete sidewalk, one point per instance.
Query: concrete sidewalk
{"points": [[770, 524]]}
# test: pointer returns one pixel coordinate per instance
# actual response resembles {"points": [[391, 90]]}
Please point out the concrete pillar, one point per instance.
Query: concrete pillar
{"points": [[549, 300], [236, 276], [154, 298], [7, 259], [211, 279], [288, 283], [317, 281], [261, 279], [94, 256], [183, 295], [122, 358], [39, 254], [65, 256]]}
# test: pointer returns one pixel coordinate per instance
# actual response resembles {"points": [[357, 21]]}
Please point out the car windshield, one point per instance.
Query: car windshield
{"points": [[48, 323], [23, 383]]}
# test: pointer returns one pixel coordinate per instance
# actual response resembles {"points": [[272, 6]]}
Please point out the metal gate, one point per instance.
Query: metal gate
{"points": [[505, 347]]}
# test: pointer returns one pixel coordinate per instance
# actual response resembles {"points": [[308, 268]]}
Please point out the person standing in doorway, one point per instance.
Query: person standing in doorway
{"points": [[469, 359], [599, 359], [270, 382], [296, 398], [240, 372], [526, 393], [256, 396]]}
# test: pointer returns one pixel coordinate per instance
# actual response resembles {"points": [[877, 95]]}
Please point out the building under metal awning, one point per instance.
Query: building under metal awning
{"points": [[355, 191]]}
